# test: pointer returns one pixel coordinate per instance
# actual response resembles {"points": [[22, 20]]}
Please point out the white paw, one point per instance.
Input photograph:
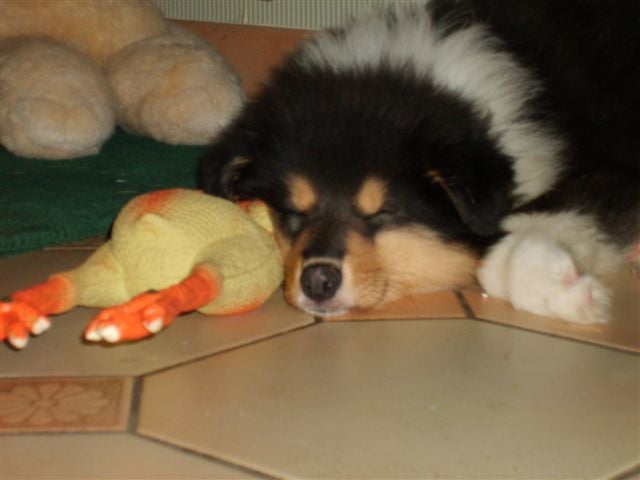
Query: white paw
{"points": [[541, 277], [585, 301]]}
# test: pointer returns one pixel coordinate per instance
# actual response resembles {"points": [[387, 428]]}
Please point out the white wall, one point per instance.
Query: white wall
{"points": [[283, 13]]}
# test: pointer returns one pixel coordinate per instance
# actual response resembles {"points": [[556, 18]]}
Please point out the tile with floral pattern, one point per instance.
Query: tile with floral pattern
{"points": [[64, 404]]}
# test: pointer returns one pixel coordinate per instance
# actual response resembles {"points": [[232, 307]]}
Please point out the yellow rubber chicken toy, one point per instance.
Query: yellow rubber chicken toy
{"points": [[170, 252]]}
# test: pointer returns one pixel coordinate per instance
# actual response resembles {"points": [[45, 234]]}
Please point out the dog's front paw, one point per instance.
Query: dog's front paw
{"points": [[584, 300], [541, 277]]}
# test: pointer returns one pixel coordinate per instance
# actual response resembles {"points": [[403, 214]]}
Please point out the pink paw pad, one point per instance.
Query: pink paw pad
{"points": [[571, 278]]}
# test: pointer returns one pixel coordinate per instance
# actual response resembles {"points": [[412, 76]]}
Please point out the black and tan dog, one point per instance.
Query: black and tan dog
{"points": [[416, 149]]}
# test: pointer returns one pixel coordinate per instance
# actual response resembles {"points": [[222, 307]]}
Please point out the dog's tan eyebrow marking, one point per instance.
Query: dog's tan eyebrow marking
{"points": [[302, 194], [370, 199]]}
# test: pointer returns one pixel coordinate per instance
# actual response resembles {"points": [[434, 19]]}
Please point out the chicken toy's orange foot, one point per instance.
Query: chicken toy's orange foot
{"points": [[26, 312], [18, 320], [141, 317], [148, 313]]}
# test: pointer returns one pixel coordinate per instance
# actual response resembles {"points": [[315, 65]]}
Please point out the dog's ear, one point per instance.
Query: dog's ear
{"points": [[227, 169], [476, 177], [480, 206]]}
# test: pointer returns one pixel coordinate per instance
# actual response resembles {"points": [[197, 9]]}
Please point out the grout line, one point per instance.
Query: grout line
{"points": [[134, 405], [464, 304], [557, 335], [56, 433], [472, 316], [227, 350], [206, 456], [630, 473], [392, 320]]}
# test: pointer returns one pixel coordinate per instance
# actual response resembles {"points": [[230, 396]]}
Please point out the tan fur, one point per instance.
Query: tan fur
{"points": [[403, 262], [395, 264], [416, 261], [303, 195], [363, 271], [292, 264], [283, 242], [371, 196]]}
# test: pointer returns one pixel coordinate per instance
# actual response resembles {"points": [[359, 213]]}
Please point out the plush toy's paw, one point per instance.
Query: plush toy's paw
{"points": [[56, 102], [143, 316], [18, 320], [174, 88]]}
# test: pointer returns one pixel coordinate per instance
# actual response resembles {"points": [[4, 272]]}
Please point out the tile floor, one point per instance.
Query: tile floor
{"points": [[442, 386]]}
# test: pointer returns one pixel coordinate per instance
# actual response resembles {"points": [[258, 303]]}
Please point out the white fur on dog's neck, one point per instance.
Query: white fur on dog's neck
{"points": [[468, 63]]}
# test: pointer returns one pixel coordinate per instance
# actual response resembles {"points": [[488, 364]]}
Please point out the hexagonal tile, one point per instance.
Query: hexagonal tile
{"points": [[99, 456], [622, 331], [406, 399]]}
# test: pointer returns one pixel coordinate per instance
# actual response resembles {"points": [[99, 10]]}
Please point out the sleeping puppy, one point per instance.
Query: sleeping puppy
{"points": [[417, 149]]}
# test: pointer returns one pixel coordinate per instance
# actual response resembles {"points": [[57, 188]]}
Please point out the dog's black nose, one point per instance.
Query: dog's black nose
{"points": [[320, 281]]}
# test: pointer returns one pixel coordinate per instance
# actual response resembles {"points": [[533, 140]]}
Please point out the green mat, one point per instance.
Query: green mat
{"points": [[44, 202]]}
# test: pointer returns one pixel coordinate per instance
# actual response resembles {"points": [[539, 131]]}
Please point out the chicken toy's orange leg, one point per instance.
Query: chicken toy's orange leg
{"points": [[27, 311], [148, 313]]}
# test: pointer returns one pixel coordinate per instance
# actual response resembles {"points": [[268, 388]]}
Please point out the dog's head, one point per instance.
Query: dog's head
{"points": [[377, 190]]}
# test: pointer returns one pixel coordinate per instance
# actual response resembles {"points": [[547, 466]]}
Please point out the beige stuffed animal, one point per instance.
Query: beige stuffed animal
{"points": [[71, 69]]}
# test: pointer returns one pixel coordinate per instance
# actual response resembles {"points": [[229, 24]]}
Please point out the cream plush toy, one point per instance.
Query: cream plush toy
{"points": [[71, 69], [171, 251]]}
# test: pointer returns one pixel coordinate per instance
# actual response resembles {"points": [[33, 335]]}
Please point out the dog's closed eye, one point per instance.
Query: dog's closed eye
{"points": [[292, 220], [382, 216]]}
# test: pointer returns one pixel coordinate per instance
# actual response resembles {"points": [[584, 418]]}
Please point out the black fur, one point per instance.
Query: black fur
{"points": [[587, 54], [367, 125], [443, 167]]}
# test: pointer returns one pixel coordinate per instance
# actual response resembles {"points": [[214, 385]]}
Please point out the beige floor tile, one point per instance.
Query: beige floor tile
{"points": [[434, 305], [21, 271], [103, 456], [86, 244], [61, 351], [64, 404], [622, 331], [446, 399]]}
